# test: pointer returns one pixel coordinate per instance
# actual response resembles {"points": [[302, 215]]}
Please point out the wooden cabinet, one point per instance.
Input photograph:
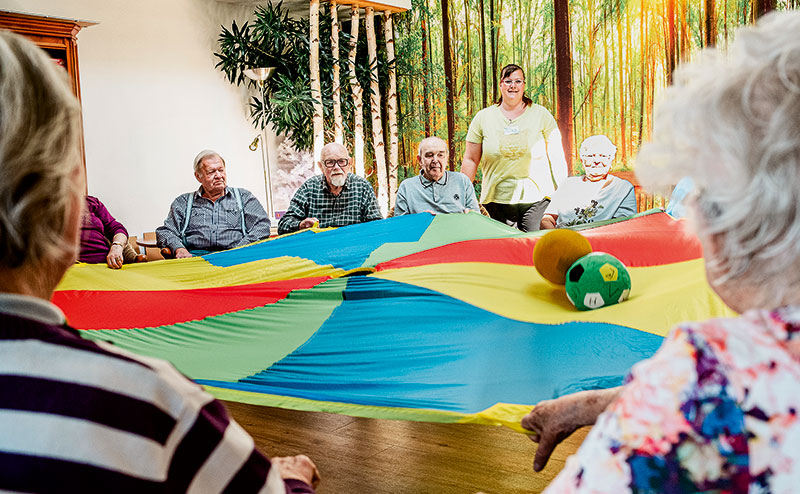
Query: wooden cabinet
{"points": [[56, 36]]}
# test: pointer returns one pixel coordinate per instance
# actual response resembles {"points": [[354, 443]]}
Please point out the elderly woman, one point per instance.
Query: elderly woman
{"points": [[518, 147], [594, 196], [76, 415], [717, 407], [103, 238]]}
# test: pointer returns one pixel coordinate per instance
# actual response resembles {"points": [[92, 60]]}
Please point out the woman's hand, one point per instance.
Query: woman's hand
{"points": [[114, 257], [552, 421]]}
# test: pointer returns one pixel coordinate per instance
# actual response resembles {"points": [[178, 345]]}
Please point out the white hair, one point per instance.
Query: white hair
{"points": [[428, 141], [597, 144], [732, 123], [203, 155], [39, 154]]}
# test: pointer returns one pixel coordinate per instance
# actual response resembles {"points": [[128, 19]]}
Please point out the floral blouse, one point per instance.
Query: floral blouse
{"points": [[715, 409]]}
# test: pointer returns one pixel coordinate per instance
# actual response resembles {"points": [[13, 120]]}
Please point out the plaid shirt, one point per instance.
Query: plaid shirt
{"points": [[356, 203], [214, 225]]}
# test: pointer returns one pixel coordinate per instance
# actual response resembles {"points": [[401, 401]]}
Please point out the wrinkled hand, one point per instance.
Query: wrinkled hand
{"points": [[548, 222], [181, 253], [552, 421], [298, 467], [114, 257], [307, 223]]}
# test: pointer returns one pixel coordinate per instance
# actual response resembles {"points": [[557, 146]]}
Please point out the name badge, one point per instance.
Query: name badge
{"points": [[511, 130]]}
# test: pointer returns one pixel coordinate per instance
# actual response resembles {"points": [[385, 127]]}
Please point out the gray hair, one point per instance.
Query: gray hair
{"points": [[202, 155], [39, 155], [430, 140], [597, 144], [732, 123]]}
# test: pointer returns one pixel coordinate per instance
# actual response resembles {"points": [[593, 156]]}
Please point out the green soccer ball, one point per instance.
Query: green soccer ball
{"points": [[597, 280]]}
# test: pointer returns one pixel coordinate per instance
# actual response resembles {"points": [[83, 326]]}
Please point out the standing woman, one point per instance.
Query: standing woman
{"points": [[518, 146]]}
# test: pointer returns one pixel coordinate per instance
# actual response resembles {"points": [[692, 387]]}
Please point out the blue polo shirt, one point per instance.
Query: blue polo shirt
{"points": [[452, 193]]}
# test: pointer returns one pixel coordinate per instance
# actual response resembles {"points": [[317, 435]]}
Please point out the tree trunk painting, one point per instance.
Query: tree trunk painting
{"points": [[377, 124], [468, 59], [448, 81], [483, 57], [671, 38], [492, 42], [355, 87], [337, 102], [564, 76], [391, 97], [762, 7], [316, 89], [426, 74], [710, 24]]}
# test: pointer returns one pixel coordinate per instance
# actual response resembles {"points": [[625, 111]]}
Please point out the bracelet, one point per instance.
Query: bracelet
{"points": [[118, 243]]}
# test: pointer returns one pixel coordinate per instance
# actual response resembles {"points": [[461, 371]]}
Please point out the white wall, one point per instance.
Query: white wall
{"points": [[152, 99]]}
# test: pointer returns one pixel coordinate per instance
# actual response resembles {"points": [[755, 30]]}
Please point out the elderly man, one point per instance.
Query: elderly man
{"points": [[76, 415], [596, 195], [214, 217], [335, 198], [435, 190]]}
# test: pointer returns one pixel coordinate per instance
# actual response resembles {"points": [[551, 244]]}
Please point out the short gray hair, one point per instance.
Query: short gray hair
{"points": [[202, 155], [427, 141], [591, 144], [732, 123], [39, 154]]}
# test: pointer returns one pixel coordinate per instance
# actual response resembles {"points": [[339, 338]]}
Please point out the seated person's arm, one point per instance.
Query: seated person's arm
{"points": [[552, 421], [628, 205], [401, 204], [369, 209], [471, 201], [297, 212], [255, 218], [168, 235], [243, 468]]}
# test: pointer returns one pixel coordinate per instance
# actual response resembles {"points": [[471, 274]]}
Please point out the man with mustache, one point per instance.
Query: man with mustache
{"points": [[335, 198], [435, 190], [214, 217]]}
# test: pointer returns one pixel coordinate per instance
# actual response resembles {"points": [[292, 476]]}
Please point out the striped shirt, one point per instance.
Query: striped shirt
{"points": [[76, 416], [356, 203], [214, 225]]}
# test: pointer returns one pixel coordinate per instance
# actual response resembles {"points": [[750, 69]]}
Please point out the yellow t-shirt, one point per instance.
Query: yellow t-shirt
{"points": [[514, 158]]}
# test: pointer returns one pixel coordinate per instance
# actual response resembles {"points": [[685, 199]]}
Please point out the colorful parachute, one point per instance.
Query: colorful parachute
{"points": [[438, 318]]}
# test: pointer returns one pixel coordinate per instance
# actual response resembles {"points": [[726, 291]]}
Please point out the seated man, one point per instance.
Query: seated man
{"points": [[215, 216], [335, 198], [435, 190], [595, 196], [75, 415]]}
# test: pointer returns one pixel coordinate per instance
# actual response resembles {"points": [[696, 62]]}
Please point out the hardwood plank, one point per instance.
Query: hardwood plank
{"points": [[376, 456]]}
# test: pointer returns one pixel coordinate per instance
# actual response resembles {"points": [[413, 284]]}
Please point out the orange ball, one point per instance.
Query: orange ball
{"points": [[556, 251]]}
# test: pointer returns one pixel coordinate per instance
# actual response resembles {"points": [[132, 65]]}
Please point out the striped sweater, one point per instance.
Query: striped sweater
{"points": [[76, 416]]}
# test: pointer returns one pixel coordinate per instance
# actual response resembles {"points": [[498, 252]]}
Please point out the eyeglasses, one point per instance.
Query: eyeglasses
{"points": [[516, 82], [343, 162]]}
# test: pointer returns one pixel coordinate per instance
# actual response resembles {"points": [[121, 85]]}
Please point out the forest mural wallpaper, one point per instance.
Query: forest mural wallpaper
{"points": [[597, 65]]}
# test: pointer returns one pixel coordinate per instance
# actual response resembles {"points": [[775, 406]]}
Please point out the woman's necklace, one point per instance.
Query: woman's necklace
{"points": [[512, 113]]}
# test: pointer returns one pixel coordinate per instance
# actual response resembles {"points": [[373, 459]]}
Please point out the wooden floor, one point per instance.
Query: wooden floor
{"points": [[358, 455]]}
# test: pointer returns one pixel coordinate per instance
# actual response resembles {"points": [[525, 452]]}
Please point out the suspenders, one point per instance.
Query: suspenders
{"points": [[189, 202]]}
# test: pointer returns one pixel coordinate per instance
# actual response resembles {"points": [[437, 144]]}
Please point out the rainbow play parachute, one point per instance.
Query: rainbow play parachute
{"points": [[439, 318]]}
